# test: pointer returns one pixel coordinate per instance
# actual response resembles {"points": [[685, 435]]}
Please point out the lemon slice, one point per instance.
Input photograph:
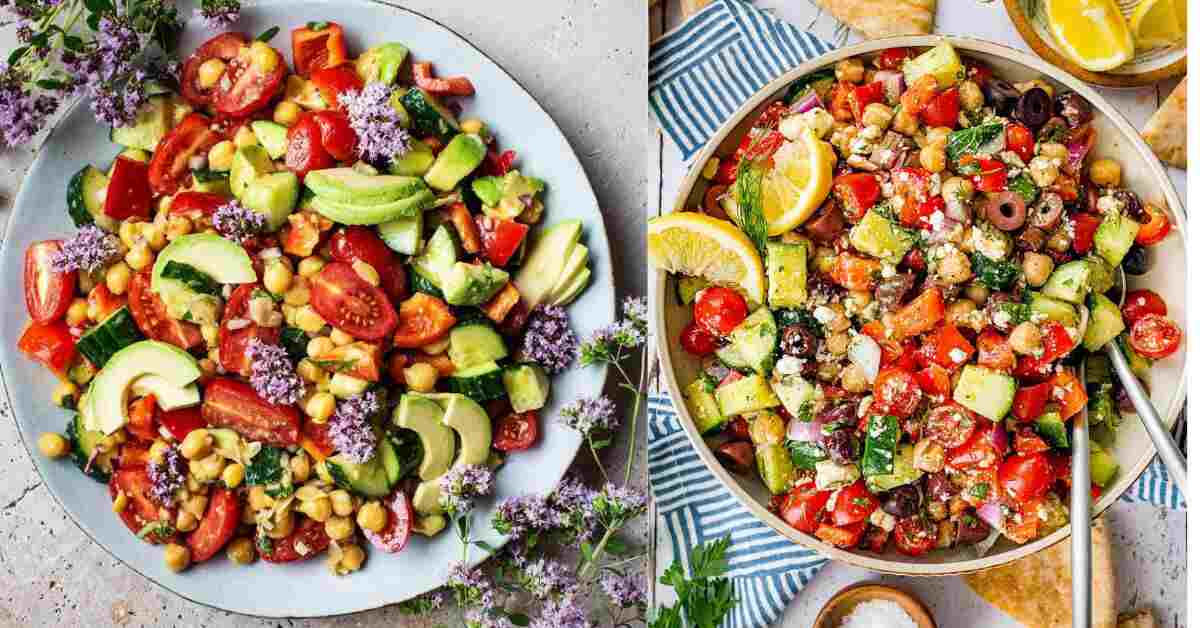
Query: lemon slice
{"points": [[798, 182], [695, 244], [1155, 24], [1093, 33]]}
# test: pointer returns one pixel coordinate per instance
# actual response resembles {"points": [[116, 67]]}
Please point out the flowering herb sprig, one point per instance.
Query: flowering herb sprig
{"points": [[238, 222], [89, 249], [219, 15], [272, 374], [166, 476], [549, 340], [381, 131], [350, 426]]}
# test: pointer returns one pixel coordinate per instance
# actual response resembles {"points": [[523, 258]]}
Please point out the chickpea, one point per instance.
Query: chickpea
{"points": [[421, 377], [978, 293], [264, 58], [366, 272], [286, 113], [298, 295], [155, 235], [220, 156], [308, 320], [1028, 85], [241, 551], [77, 312], [208, 366], [837, 343], [319, 346], [372, 516], [877, 114], [343, 386], [955, 267], [853, 378], [310, 266], [474, 126], [929, 456], [178, 226], [211, 333], [196, 445], [244, 137], [120, 502], [259, 500], [52, 445], [209, 468], [233, 475], [342, 502], [139, 257], [285, 522], [1037, 267], [905, 123], [1059, 241], [352, 558], [177, 557], [210, 73], [933, 158], [1043, 171], [340, 338], [320, 407], [1025, 338], [938, 136], [339, 528], [961, 312], [65, 395], [300, 466], [318, 509], [1053, 150], [958, 189], [277, 277], [1105, 173], [117, 278], [849, 70], [186, 521], [970, 96]]}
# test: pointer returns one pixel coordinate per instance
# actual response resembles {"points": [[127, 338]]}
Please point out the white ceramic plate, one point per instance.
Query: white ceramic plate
{"points": [[1142, 173], [308, 589]]}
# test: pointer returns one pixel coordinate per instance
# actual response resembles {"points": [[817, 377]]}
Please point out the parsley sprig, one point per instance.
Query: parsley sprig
{"points": [[705, 598]]}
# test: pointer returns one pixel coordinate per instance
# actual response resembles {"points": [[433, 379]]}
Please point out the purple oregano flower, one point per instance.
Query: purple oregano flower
{"points": [[464, 482], [90, 248], [237, 222], [166, 476], [22, 113], [625, 590], [350, 426], [381, 133], [549, 340], [565, 612], [272, 374], [219, 15], [588, 415]]}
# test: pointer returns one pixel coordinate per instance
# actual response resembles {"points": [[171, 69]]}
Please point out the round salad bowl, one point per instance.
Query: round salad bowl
{"points": [[309, 589], [1131, 445]]}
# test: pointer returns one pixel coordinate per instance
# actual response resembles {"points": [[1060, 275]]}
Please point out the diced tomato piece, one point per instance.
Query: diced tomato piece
{"points": [[697, 340], [855, 273], [839, 101], [141, 510], [357, 242], [803, 507], [919, 94], [896, 392], [893, 58], [516, 431], [423, 319], [452, 86], [875, 539], [994, 351], [854, 504], [220, 521], [857, 192], [921, 314], [50, 344], [1139, 303], [726, 172], [48, 292], [142, 414], [952, 349], [1021, 523], [317, 49], [1068, 391], [1026, 442], [234, 404], [864, 95], [306, 541], [1019, 139], [150, 314], [1085, 231], [759, 144], [977, 452], [335, 81], [181, 422], [992, 175], [915, 536], [305, 148], [1025, 476], [497, 164], [1030, 401], [719, 310], [363, 360], [350, 303], [942, 111], [235, 338], [315, 439], [501, 238], [129, 194], [934, 380], [196, 204], [950, 425], [337, 136]]}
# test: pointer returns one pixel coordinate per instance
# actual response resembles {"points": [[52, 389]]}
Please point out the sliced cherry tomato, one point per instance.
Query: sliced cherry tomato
{"points": [[992, 175], [224, 47], [1026, 442], [1069, 392], [337, 136], [196, 204], [950, 425], [48, 292], [246, 86], [314, 49], [855, 273], [977, 452], [306, 541], [1139, 303], [1156, 228], [1085, 231], [1155, 337], [235, 337], [917, 214], [142, 510], [234, 404], [501, 238], [839, 101], [726, 172], [142, 415], [423, 319], [452, 86], [129, 194], [1019, 139], [362, 243], [896, 392], [395, 534], [1030, 401], [517, 431], [994, 351], [919, 94], [305, 148], [697, 340], [1056, 341], [170, 164], [857, 192], [363, 360], [220, 521], [759, 144], [844, 537], [335, 81], [315, 439], [351, 304], [803, 507], [864, 95], [853, 504], [934, 380], [150, 314], [942, 111], [719, 310], [893, 58], [181, 422], [915, 536], [1025, 476], [494, 164], [104, 301], [1032, 370], [952, 350], [921, 314], [49, 343]]}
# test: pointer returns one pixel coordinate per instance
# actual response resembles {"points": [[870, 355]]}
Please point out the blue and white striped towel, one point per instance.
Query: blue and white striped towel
{"points": [[700, 74]]}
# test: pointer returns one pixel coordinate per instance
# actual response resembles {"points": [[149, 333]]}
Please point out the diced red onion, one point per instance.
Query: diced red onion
{"points": [[811, 100], [865, 352], [893, 84], [1078, 151], [804, 431], [944, 230], [992, 514], [1000, 438]]}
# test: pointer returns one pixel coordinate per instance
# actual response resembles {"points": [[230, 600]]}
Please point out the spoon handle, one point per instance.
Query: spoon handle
{"points": [[1167, 449], [1081, 520]]}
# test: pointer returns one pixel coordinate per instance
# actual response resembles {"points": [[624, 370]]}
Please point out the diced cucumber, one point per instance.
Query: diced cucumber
{"points": [[1054, 310], [248, 163], [153, 120], [369, 479], [472, 284], [702, 405], [878, 237], [985, 391], [527, 386], [481, 383], [1114, 237], [775, 467], [211, 181], [272, 135], [83, 444], [745, 395], [752, 343], [391, 463], [903, 471], [795, 392], [1104, 323], [85, 199], [686, 287], [429, 116], [941, 61], [403, 235], [475, 343], [1052, 428], [879, 449], [114, 333], [1069, 282], [191, 278], [438, 257], [831, 475], [1104, 465], [787, 274], [1103, 276]]}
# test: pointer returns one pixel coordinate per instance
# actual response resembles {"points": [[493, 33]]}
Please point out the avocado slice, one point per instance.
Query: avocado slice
{"points": [[274, 195], [504, 197], [108, 395], [225, 261], [472, 284], [381, 63], [571, 290], [354, 214], [461, 156], [414, 163], [544, 262], [474, 428], [350, 186], [427, 498], [424, 416], [576, 263], [166, 395], [248, 163], [272, 135]]}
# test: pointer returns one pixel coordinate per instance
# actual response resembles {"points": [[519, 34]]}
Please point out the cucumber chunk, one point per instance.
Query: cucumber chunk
{"points": [[879, 449], [702, 405], [480, 383], [475, 343], [1104, 323], [752, 343], [1114, 237], [1069, 282], [85, 199], [787, 274], [775, 467], [528, 387], [114, 333], [745, 395], [985, 391]]}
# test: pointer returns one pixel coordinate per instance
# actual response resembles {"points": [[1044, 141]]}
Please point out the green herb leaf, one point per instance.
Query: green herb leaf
{"points": [[317, 26], [748, 191], [995, 274], [268, 34], [970, 141], [980, 491]]}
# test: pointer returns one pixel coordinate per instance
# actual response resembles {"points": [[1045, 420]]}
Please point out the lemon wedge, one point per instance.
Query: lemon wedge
{"points": [[797, 183], [695, 244], [1155, 24], [1093, 33]]}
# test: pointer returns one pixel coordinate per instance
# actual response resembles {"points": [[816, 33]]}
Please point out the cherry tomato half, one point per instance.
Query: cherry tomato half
{"points": [[351, 304], [1139, 303], [516, 431], [335, 81], [1156, 228], [49, 343], [422, 319], [896, 392], [1019, 139], [1025, 476], [234, 404], [362, 243], [224, 47], [171, 161], [697, 341], [235, 339], [220, 521], [803, 507], [950, 425], [150, 314], [915, 536], [305, 148], [719, 310], [337, 136], [1155, 336], [48, 292], [247, 86], [501, 238], [942, 110], [854, 504]]}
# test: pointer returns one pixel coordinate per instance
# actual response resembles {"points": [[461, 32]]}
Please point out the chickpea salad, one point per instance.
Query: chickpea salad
{"points": [[892, 281], [305, 311]]}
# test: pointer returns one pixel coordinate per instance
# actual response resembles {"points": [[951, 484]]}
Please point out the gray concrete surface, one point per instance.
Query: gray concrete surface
{"points": [[585, 61]]}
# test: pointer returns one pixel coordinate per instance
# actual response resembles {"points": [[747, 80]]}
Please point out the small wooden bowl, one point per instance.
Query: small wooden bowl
{"points": [[843, 603]]}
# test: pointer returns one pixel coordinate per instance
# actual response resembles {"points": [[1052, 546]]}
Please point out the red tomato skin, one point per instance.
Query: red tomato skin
{"points": [[150, 314], [313, 50], [234, 404], [935, 381], [719, 310], [844, 537], [50, 344], [803, 507], [337, 136], [893, 58], [992, 176], [308, 532], [950, 425], [129, 192], [1139, 303], [854, 273], [1085, 231], [142, 414], [52, 304], [858, 192], [220, 522], [305, 150], [897, 392], [854, 504], [361, 243], [1026, 442], [864, 95], [942, 110], [1025, 476], [1155, 229], [697, 341], [516, 432], [726, 172], [1069, 392], [245, 89], [994, 351], [915, 536], [199, 203], [169, 164], [224, 47], [233, 342], [501, 238], [977, 452], [332, 82], [135, 482], [951, 348], [1030, 401], [181, 422], [1019, 139], [351, 304], [1155, 336]]}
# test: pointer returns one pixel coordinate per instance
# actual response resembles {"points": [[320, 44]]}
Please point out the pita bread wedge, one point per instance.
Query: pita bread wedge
{"points": [[1166, 131], [1036, 590], [883, 18], [1140, 619]]}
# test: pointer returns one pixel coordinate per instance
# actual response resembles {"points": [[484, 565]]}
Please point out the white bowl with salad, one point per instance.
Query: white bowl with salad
{"points": [[876, 283]]}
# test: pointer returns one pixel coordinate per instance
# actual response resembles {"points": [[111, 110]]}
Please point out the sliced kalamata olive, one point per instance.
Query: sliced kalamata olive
{"points": [[843, 445], [890, 292], [1031, 239], [938, 487], [827, 223], [1055, 130], [1034, 108], [798, 342], [971, 530], [1133, 205], [840, 413], [1005, 210], [736, 456], [1075, 109], [714, 368], [1047, 211], [1001, 95], [902, 501], [1137, 260]]}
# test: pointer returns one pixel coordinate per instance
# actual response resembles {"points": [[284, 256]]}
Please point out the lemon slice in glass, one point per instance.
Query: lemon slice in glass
{"points": [[1093, 33], [797, 183], [1155, 24], [699, 245]]}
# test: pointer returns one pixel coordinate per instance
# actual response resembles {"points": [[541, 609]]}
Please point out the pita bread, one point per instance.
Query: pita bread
{"points": [[1166, 131], [1036, 590], [690, 7], [1140, 619], [883, 18]]}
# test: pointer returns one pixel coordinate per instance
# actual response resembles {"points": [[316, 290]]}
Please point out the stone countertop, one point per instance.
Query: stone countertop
{"points": [[52, 574]]}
